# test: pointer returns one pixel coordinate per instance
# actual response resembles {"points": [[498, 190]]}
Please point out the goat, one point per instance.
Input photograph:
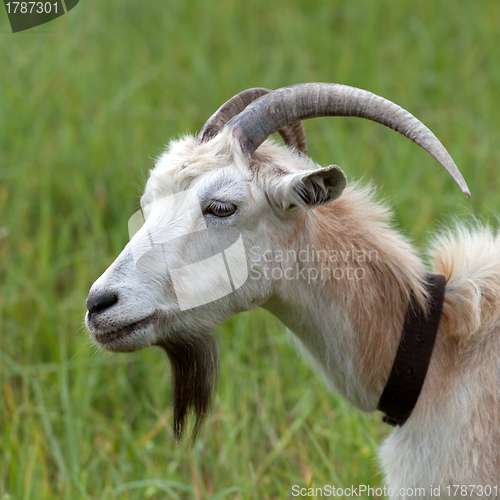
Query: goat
{"points": [[232, 221]]}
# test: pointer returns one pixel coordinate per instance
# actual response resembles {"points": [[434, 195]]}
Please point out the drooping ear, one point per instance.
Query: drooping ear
{"points": [[311, 188]]}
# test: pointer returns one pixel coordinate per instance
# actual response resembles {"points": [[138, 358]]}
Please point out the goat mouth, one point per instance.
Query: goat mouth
{"points": [[124, 331]]}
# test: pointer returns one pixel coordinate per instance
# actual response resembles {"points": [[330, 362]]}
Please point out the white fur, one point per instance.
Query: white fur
{"points": [[350, 327]]}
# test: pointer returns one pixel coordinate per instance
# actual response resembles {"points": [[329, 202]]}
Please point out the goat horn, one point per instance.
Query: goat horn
{"points": [[309, 100], [293, 133]]}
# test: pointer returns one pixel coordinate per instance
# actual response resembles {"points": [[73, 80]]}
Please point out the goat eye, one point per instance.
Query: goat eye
{"points": [[221, 209]]}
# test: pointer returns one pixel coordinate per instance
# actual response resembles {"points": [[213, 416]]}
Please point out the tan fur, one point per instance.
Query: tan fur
{"points": [[453, 434], [350, 328], [455, 426], [377, 303]]}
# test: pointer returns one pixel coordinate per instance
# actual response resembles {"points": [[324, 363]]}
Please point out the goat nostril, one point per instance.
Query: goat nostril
{"points": [[96, 303]]}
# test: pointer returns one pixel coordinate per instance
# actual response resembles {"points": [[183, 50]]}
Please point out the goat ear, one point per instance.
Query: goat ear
{"points": [[312, 188]]}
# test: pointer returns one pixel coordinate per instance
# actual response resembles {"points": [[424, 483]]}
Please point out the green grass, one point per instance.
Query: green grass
{"points": [[85, 103]]}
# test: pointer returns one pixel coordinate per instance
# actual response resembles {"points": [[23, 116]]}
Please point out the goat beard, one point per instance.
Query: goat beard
{"points": [[194, 360]]}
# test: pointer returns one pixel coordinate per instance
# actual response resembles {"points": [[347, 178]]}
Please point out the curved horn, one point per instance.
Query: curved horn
{"points": [[293, 133], [309, 100]]}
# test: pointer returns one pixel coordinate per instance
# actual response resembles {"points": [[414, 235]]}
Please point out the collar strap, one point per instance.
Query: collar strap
{"points": [[414, 355]]}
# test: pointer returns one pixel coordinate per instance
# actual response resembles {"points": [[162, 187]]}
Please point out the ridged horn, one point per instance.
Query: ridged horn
{"points": [[293, 133], [309, 100]]}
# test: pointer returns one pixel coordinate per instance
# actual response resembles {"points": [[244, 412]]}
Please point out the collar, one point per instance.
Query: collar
{"points": [[414, 354]]}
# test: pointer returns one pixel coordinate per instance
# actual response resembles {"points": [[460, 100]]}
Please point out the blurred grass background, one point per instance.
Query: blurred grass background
{"points": [[86, 102]]}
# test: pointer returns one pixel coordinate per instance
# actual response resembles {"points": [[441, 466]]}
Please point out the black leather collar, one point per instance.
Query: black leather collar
{"points": [[414, 355]]}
